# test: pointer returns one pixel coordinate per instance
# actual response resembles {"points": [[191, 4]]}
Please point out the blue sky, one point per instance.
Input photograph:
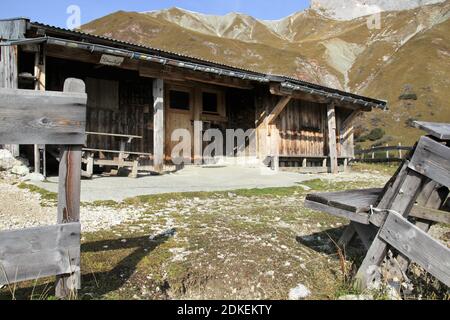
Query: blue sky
{"points": [[54, 11]]}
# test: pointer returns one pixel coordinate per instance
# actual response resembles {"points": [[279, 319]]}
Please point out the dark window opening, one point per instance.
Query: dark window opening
{"points": [[180, 100], [210, 102]]}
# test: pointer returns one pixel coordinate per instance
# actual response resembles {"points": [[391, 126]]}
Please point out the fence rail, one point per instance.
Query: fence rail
{"points": [[382, 154]]}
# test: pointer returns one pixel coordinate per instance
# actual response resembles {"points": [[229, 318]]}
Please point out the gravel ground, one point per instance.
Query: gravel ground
{"points": [[22, 208]]}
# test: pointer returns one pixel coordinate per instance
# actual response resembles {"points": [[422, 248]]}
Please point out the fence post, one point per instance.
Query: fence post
{"points": [[400, 154], [387, 152], [69, 190]]}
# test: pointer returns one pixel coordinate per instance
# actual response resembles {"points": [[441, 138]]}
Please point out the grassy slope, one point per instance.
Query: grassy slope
{"points": [[424, 63]]}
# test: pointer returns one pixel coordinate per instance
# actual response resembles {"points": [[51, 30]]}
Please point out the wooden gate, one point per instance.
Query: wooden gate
{"points": [[49, 118]]}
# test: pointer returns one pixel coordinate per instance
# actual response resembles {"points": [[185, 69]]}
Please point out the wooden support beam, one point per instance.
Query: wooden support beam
{"points": [[348, 122], [69, 189], [332, 145], [428, 214], [418, 246], [284, 101], [401, 202], [158, 125]]}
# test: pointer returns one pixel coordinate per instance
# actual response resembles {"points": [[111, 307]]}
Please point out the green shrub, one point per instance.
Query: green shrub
{"points": [[375, 134]]}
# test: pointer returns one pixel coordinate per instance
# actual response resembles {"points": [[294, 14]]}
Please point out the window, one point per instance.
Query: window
{"points": [[180, 100], [210, 102]]}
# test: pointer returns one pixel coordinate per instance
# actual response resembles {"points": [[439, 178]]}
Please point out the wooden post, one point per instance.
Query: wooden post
{"points": [[9, 79], [331, 115], [387, 152], [400, 154], [69, 189], [158, 125], [39, 73]]}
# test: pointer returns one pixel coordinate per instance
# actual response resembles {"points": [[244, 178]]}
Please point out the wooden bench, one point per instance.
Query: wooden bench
{"points": [[302, 163], [398, 217], [114, 158]]}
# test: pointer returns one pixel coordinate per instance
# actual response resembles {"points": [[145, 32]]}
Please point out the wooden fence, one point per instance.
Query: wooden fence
{"points": [[50, 118], [382, 154], [398, 217]]}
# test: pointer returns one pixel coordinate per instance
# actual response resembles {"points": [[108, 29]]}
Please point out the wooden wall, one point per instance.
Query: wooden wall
{"points": [[301, 128], [128, 111]]}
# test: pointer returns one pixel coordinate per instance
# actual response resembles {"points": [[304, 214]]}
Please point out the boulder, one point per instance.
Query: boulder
{"points": [[7, 160]]}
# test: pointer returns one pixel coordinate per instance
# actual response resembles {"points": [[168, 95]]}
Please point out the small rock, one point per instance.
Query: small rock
{"points": [[270, 273], [20, 170], [306, 188], [34, 177], [298, 293]]}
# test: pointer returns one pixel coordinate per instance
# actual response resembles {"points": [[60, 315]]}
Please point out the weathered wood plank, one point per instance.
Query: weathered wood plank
{"points": [[358, 201], [158, 125], [42, 117], [432, 159], [438, 130], [39, 252], [418, 246], [402, 202], [429, 214], [353, 216], [13, 29], [9, 72]]}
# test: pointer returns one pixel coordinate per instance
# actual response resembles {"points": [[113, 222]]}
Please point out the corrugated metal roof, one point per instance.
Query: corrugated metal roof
{"points": [[288, 82]]}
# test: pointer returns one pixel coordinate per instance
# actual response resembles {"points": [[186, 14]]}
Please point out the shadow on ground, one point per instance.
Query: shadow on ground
{"points": [[326, 242], [101, 283]]}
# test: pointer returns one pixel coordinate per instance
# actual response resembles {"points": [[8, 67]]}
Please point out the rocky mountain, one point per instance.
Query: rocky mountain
{"points": [[403, 58], [352, 9]]}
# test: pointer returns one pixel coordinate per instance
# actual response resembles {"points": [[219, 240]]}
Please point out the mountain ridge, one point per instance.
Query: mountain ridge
{"points": [[345, 55]]}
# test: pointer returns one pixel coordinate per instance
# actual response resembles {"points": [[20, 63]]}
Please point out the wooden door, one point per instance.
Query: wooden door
{"points": [[179, 114]]}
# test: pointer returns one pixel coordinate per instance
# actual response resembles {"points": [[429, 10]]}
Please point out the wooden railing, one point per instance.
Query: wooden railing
{"points": [[47, 118], [382, 154]]}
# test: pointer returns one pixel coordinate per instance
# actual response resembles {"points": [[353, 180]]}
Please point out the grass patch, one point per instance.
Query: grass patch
{"points": [[386, 168], [48, 198]]}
